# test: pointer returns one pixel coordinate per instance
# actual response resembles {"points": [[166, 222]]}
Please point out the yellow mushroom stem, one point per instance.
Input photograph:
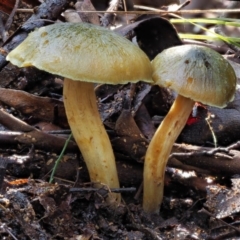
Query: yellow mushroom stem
{"points": [[90, 134], [159, 150]]}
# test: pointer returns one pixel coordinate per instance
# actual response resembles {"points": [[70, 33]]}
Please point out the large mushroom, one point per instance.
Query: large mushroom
{"points": [[196, 73], [85, 54]]}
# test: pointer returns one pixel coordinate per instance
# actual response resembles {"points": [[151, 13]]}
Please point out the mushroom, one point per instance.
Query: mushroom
{"points": [[196, 73], [85, 54]]}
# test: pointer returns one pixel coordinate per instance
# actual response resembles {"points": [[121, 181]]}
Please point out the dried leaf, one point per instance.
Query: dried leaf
{"points": [[223, 202], [154, 34], [86, 5]]}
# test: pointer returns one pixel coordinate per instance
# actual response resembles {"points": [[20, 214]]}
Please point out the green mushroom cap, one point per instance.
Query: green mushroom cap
{"points": [[196, 72], [82, 51]]}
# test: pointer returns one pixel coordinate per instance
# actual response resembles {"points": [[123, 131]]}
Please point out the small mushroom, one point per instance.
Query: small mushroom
{"points": [[196, 73], [85, 54]]}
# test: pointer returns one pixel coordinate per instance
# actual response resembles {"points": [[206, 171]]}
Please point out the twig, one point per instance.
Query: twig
{"points": [[29, 135], [203, 210], [211, 152], [10, 18], [25, 10], [215, 160], [217, 48], [151, 11], [158, 11], [4, 226], [2, 30], [139, 191], [234, 146]]}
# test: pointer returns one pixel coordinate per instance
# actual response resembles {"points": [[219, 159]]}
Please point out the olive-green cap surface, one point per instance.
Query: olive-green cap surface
{"points": [[82, 51], [196, 72]]}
